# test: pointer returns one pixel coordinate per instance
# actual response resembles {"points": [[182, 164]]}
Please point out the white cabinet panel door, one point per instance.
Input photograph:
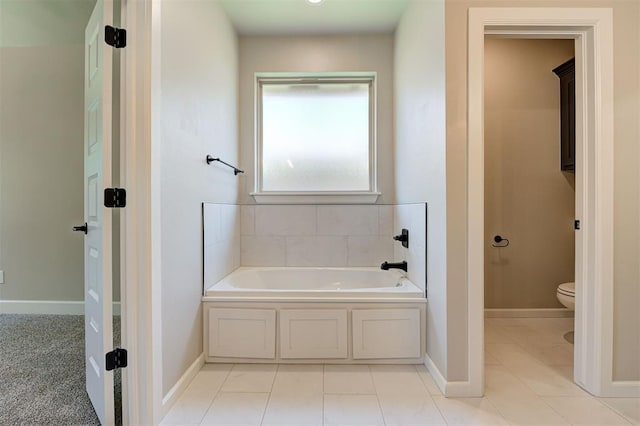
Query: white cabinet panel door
{"points": [[97, 243], [242, 333], [386, 333], [313, 333]]}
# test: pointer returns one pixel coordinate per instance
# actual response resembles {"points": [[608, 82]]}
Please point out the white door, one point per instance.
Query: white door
{"points": [[97, 243]]}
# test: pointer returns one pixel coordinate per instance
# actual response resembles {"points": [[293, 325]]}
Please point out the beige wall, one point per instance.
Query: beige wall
{"points": [[420, 145], [43, 22], [626, 193], [318, 54], [41, 148], [198, 116], [41, 134], [528, 199]]}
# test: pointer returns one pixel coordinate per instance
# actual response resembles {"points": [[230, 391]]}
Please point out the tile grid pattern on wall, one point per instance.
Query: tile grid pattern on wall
{"points": [[221, 227], [316, 235]]}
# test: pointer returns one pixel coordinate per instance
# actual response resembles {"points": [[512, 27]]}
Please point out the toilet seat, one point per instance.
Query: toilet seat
{"points": [[566, 295], [567, 289]]}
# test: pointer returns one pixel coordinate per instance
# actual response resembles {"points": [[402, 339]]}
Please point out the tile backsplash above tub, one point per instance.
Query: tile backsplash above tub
{"points": [[312, 235], [221, 225], [316, 235], [414, 218]]}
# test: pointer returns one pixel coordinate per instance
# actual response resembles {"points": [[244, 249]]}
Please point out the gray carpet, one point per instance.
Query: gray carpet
{"points": [[42, 371]]}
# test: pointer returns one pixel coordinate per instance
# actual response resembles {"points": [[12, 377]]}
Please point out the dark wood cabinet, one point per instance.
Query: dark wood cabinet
{"points": [[566, 73]]}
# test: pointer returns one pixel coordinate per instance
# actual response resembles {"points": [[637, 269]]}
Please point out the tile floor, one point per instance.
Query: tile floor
{"points": [[528, 381]]}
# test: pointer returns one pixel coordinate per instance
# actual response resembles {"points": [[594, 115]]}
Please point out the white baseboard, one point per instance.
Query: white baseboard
{"points": [[528, 313], [456, 389], [174, 393], [436, 374], [47, 307], [623, 389]]}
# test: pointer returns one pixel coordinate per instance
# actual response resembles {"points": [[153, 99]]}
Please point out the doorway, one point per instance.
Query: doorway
{"points": [[42, 299], [592, 31], [529, 196]]}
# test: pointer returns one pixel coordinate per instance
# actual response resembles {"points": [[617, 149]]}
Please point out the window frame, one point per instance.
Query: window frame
{"points": [[262, 196]]}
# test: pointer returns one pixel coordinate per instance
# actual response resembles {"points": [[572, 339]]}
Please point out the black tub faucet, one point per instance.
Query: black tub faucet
{"points": [[400, 265], [403, 238]]}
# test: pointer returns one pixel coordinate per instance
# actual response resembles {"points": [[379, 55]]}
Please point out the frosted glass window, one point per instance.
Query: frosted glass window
{"points": [[316, 136]]}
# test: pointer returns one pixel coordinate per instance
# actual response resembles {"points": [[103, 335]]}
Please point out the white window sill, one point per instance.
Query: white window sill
{"points": [[315, 197]]}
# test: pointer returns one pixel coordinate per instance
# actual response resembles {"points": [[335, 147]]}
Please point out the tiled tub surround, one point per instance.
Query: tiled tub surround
{"points": [[414, 218], [302, 327], [312, 235], [221, 225], [316, 235]]}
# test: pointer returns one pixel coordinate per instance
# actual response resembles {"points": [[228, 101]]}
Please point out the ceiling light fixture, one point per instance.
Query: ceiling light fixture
{"points": [[314, 1]]}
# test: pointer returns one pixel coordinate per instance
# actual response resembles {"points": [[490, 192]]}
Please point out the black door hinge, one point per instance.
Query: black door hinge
{"points": [[576, 224], [116, 37], [117, 358], [115, 197]]}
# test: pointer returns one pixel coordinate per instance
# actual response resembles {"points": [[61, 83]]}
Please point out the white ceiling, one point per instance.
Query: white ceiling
{"points": [[280, 17]]}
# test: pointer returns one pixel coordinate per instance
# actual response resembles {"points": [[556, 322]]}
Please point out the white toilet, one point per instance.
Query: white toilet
{"points": [[566, 294]]}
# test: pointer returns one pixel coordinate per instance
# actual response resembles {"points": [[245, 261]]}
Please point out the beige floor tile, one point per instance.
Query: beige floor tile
{"points": [[409, 409], [192, 405], [499, 322], [542, 379], [354, 379], [529, 380], [397, 380], [427, 380], [296, 398], [627, 407], [584, 410], [490, 359], [515, 401], [245, 409], [493, 334], [551, 354], [468, 411], [526, 331], [299, 379], [352, 410], [563, 371], [250, 378], [291, 409]]}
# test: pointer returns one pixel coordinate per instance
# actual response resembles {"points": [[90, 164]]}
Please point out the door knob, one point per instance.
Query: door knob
{"points": [[82, 228]]}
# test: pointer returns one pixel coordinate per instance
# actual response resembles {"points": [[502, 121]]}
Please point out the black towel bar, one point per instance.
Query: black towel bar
{"points": [[235, 169]]}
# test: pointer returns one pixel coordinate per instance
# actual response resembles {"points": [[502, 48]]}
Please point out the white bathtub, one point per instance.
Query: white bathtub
{"points": [[328, 315], [289, 282]]}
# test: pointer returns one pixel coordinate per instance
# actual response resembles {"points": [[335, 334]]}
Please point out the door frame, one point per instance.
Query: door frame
{"points": [[592, 30], [141, 397]]}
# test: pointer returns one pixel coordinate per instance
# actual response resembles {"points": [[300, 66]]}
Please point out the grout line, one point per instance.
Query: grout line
{"points": [[554, 410], [384, 421], [266, 406], [216, 394], [619, 412], [424, 385], [535, 359], [435, 404], [581, 397]]}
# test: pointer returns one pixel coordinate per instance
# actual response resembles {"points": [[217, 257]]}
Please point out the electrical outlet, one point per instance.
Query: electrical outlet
{"points": [[1, 277]]}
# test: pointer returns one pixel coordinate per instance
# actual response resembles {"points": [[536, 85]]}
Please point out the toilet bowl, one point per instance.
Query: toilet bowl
{"points": [[566, 295]]}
